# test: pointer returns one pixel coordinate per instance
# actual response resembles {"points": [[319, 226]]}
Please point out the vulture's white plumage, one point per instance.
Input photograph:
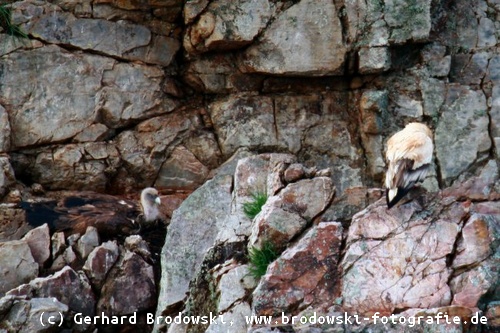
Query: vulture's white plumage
{"points": [[409, 155]]}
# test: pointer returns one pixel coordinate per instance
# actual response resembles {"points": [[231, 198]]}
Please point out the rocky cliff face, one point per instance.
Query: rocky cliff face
{"points": [[114, 96]]}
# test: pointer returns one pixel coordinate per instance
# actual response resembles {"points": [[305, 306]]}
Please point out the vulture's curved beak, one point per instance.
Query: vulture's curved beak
{"points": [[158, 201]]}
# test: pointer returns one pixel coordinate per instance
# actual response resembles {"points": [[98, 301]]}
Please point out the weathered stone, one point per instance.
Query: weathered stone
{"points": [[410, 20], [226, 26], [438, 64], [306, 39], [205, 148], [461, 135], [120, 38], [143, 150], [373, 106], [469, 69], [38, 240], [243, 121], [130, 273], [74, 166], [305, 274], [12, 222], [193, 8], [55, 106], [17, 265], [5, 135], [479, 187], [58, 242], [486, 33], [237, 316], [131, 92], [374, 60], [34, 315], [181, 171], [433, 95], [67, 286], [7, 176], [88, 242], [294, 172], [495, 115], [95, 132], [180, 255], [418, 275], [100, 261], [409, 107], [232, 288], [136, 244]]}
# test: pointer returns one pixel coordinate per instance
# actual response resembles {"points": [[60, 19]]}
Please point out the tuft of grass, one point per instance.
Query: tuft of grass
{"points": [[260, 258], [252, 208], [6, 23]]}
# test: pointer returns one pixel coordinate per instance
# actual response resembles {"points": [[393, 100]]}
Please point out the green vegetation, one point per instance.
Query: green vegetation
{"points": [[260, 258], [6, 23], [252, 208]]}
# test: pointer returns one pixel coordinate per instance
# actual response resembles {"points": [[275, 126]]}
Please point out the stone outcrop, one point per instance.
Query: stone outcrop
{"points": [[212, 101]]}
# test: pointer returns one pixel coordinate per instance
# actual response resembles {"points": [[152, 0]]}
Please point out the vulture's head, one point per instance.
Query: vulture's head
{"points": [[150, 202]]}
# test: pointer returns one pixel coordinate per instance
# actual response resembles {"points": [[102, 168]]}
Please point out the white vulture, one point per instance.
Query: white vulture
{"points": [[409, 155]]}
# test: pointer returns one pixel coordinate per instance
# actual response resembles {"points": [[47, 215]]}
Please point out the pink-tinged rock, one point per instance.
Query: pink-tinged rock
{"points": [[17, 265], [397, 258], [470, 286], [475, 244], [67, 286], [306, 274], [88, 242], [476, 188], [130, 287], [100, 261], [493, 313], [38, 240], [181, 171], [287, 214]]}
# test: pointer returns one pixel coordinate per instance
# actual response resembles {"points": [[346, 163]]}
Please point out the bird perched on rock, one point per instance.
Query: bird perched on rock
{"points": [[409, 154], [110, 215]]}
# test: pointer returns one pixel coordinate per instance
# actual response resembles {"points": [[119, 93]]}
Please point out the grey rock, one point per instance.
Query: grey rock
{"points": [[38, 105], [13, 222], [181, 171], [237, 315], [7, 175], [136, 244], [130, 273], [181, 256], [243, 121], [374, 60], [67, 286], [17, 265], [38, 240], [306, 39], [33, 315], [58, 242], [95, 132], [408, 20], [100, 261], [5, 125], [225, 26], [462, 132], [232, 287], [88, 242], [486, 33]]}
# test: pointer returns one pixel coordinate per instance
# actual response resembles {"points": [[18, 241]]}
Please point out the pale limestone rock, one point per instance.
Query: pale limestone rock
{"points": [[17, 265], [306, 39], [95, 132], [58, 242], [231, 287], [38, 240], [237, 315]]}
